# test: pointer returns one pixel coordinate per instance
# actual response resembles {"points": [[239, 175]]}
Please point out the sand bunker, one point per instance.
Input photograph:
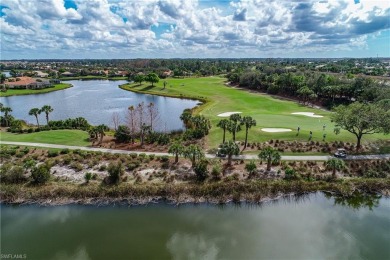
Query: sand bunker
{"points": [[310, 114], [275, 130], [227, 114]]}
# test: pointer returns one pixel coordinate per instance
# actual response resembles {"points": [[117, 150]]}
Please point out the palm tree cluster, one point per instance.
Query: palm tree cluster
{"points": [[193, 152], [37, 111], [7, 118], [98, 132], [197, 126], [234, 125]]}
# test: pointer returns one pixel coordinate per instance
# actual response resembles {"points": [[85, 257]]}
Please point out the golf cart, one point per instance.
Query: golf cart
{"points": [[220, 153], [340, 153]]}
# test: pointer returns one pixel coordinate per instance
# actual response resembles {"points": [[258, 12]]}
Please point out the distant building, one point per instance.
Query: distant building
{"points": [[27, 83], [67, 74], [41, 74]]}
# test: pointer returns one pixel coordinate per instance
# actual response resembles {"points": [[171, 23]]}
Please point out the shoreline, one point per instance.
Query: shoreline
{"points": [[41, 91], [187, 194]]}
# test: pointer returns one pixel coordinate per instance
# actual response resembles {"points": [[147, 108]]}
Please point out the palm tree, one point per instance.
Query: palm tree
{"points": [[230, 148], [186, 117], [93, 132], [270, 155], [234, 127], [101, 131], [6, 111], [224, 123], [144, 128], [248, 122], [193, 152], [176, 149], [47, 110], [335, 164], [35, 112]]}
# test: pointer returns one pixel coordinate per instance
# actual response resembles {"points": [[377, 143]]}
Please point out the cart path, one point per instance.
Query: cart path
{"points": [[239, 157]]}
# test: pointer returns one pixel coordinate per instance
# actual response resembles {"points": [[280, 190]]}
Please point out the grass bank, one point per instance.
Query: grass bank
{"points": [[217, 192], [269, 112], [66, 137], [18, 92]]}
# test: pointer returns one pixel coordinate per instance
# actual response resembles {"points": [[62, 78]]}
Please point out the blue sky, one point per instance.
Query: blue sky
{"points": [[44, 29]]}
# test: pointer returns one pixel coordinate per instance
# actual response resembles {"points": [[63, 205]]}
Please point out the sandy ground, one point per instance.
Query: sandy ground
{"points": [[227, 114], [310, 114], [275, 130]]}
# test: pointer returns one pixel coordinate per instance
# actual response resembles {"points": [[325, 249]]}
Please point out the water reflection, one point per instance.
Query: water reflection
{"points": [[295, 227], [357, 200]]}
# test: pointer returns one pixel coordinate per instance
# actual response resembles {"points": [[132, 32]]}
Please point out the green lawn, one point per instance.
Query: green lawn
{"points": [[65, 137], [16, 92], [268, 111]]}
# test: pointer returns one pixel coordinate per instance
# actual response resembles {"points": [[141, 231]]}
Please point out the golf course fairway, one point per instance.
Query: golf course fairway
{"points": [[269, 112]]}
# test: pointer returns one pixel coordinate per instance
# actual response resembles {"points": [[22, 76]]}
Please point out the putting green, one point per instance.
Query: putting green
{"points": [[269, 112]]}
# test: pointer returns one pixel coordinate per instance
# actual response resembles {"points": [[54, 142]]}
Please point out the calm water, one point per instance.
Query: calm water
{"points": [[312, 228], [96, 100]]}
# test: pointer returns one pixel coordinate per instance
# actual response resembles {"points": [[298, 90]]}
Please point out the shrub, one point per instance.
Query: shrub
{"points": [[40, 174], [25, 150], [87, 177], [15, 175], [30, 130], [152, 156], [201, 171], [52, 153], [77, 166], [216, 171], [132, 166], [164, 158], [115, 171], [64, 151], [250, 167], [133, 155], [102, 167]]}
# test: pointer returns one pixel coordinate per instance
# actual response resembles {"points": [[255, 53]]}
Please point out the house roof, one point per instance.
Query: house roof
{"points": [[22, 81]]}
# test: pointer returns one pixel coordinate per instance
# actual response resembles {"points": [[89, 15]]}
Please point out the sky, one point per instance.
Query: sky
{"points": [[127, 29]]}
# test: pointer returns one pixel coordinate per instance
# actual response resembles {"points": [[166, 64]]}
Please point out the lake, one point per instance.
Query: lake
{"points": [[97, 100], [309, 227]]}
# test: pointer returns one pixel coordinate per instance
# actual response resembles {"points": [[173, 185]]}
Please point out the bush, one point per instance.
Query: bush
{"points": [[15, 175], [163, 139], [64, 151], [87, 177], [201, 170], [152, 156], [40, 174], [115, 171], [77, 166], [164, 158], [132, 166], [102, 167], [250, 167], [216, 171], [30, 130], [52, 153]]}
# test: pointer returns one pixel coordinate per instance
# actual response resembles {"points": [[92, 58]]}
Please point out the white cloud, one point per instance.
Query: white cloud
{"points": [[239, 28]]}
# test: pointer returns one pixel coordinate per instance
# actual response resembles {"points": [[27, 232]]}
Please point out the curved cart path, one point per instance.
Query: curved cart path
{"points": [[240, 157]]}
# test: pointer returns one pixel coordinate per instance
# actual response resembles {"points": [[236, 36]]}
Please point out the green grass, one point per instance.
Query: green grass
{"points": [[268, 111], [17, 92], [65, 137]]}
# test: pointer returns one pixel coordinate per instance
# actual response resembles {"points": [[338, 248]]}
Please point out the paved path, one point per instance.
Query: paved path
{"points": [[240, 157]]}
